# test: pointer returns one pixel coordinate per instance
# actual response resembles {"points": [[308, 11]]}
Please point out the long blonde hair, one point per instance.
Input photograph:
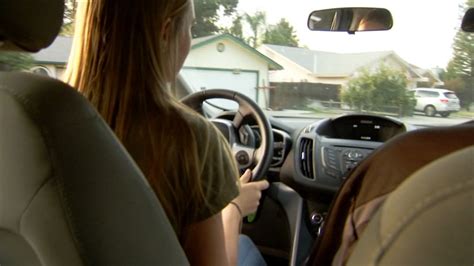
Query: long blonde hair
{"points": [[123, 66]]}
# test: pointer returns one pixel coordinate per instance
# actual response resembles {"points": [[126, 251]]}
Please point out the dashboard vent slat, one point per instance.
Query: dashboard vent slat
{"points": [[306, 157]]}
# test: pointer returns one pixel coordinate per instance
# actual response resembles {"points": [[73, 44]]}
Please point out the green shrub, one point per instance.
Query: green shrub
{"points": [[384, 90]]}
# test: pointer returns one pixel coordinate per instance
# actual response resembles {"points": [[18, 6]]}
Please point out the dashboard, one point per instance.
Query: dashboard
{"points": [[327, 150], [311, 159], [319, 155]]}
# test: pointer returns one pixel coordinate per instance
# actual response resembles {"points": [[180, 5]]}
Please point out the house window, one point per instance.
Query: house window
{"points": [[220, 47]]}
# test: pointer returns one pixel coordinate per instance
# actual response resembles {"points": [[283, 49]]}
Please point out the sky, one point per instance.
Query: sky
{"points": [[422, 34]]}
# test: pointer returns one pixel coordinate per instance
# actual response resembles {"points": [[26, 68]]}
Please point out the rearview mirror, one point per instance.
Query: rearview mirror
{"points": [[350, 19]]}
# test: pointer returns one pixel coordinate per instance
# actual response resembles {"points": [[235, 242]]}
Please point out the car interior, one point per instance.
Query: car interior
{"points": [[79, 199], [62, 202]]}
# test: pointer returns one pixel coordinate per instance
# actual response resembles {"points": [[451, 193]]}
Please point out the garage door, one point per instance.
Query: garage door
{"points": [[244, 82]]}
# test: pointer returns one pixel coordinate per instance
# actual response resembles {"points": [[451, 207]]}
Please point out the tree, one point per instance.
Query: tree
{"points": [[463, 55], [460, 71], [14, 61], [207, 15], [379, 91], [281, 34], [236, 28], [256, 22], [70, 7]]}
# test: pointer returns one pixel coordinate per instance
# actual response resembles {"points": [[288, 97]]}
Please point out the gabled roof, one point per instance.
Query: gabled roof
{"points": [[196, 41], [56, 53], [329, 64], [203, 41], [429, 74]]}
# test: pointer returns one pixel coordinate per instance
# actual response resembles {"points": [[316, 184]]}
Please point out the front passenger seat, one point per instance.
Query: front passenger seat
{"points": [[427, 220], [69, 192]]}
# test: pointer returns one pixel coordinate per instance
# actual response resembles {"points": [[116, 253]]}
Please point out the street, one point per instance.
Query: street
{"points": [[422, 120], [302, 118]]}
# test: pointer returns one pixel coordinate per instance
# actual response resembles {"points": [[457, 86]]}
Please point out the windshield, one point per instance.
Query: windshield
{"points": [[265, 50]]}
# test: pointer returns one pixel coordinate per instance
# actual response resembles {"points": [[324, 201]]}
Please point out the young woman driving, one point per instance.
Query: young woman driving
{"points": [[125, 59]]}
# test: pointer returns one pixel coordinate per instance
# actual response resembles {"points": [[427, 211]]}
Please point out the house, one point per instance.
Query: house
{"points": [[52, 61], [224, 61], [304, 65], [321, 75], [218, 61], [431, 77]]}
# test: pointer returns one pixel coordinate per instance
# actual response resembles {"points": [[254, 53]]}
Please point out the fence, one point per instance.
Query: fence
{"points": [[317, 97], [386, 110], [300, 95]]}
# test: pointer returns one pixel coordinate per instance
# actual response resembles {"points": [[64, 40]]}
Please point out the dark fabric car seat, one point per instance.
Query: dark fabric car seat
{"points": [[69, 192]]}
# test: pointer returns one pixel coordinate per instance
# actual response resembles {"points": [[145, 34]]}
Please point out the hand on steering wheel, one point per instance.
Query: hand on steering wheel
{"points": [[250, 193]]}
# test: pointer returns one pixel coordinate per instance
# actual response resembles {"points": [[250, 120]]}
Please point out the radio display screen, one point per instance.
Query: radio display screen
{"points": [[364, 128]]}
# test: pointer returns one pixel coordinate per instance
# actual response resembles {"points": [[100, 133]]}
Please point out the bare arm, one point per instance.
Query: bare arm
{"points": [[215, 240], [247, 203], [232, 220], [204, 242]]}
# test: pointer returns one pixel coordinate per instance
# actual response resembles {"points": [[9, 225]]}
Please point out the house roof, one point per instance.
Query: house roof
{"points": [[56, 53], [333, 64], [428, 73], [196, 41], [203, 41]]}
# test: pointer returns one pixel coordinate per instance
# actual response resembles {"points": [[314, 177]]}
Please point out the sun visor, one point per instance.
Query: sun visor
{"points": [[29, 25]]}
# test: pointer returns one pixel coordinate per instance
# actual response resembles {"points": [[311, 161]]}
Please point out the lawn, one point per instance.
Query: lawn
{"points": [[464, 114]]}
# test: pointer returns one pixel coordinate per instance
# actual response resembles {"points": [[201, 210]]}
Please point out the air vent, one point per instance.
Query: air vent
{"points": [[279, 148], [306, 157]]}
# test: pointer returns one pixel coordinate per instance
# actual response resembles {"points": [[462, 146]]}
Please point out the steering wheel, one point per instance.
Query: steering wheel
{"points": [[246, 154]]}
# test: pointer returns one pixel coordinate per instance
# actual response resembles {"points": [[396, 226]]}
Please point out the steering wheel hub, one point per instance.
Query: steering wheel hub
{"points": [[257, 158]]}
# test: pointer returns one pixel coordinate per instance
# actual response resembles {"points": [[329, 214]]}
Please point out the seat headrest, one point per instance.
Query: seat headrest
{"points": [[29, 25]]}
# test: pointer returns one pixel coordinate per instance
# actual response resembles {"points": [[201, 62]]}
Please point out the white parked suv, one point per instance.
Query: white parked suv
{"points": [[436, 101]]}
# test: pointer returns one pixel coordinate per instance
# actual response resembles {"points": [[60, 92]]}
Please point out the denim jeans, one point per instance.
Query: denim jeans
{"points": [[248, 254]]}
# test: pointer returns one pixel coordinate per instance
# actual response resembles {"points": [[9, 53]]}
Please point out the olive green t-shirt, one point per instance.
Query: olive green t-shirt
{"points": [[219, 172], [185, 136]]}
